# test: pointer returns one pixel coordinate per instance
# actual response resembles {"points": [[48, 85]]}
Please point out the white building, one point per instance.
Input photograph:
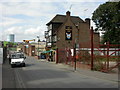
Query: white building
{"points": [[11, 38]]}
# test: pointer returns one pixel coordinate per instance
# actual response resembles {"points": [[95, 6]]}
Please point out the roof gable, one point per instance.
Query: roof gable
{"points": [[61, 19], [66, 22]]}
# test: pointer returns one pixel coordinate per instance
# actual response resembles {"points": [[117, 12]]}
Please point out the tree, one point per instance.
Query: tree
{"points": [[107, 18]]}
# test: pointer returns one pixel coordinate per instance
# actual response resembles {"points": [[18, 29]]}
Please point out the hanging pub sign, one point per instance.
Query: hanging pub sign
{"points": [[68, 33]]}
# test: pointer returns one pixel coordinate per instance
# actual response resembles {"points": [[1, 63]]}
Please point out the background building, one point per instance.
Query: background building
{"points": [[11, 38], [33, 49]]}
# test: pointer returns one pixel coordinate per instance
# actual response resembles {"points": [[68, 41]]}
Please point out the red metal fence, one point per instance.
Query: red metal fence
{"points": [[107, 58], [104, 57]]}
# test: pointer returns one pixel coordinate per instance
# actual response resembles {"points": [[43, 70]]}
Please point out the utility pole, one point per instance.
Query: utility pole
{"points": [[38, 45], [76, 46], [92, 49]]}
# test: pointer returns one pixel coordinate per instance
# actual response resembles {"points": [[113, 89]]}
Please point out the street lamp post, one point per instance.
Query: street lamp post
{"points": [[46, 36], [38, 45]]}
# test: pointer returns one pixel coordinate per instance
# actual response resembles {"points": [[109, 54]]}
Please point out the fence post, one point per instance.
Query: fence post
{"points": [[75, 56], [92, 49], [108, 46]]}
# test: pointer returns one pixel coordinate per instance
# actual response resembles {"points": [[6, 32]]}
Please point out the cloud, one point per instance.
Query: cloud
{"points": [[27, 19], [82, 9], [24, 32], [7, 21], [32, 31], [54, 0], [28, 9], [14, 30]]}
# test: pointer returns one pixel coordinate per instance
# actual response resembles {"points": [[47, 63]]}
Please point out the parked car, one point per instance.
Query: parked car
{"points": [[17, 59]]}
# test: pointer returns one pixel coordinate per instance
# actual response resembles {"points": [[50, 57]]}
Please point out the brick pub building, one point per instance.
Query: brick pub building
{"points": [[64, 31]]}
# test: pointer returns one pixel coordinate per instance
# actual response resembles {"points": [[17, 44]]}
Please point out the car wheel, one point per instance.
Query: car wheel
{"points": [[23, 64], [12, 66]]}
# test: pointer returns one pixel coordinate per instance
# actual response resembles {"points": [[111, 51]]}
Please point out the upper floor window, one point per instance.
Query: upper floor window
{"points": [[49, 27], [46, 34], [50, 33], [54, 38], [68, 27]]}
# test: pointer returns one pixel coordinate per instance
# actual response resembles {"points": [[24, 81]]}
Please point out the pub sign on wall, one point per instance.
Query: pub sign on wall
{"points": [[68, 33]]}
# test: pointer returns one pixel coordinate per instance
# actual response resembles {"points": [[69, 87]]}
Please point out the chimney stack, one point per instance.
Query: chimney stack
{"points": [[87, 20], [68, 13]]}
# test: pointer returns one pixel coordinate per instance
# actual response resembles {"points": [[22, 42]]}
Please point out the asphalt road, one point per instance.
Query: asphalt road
{"points": [[41, 74]]}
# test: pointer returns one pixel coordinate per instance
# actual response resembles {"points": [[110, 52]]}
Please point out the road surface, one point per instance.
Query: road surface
{"points": [[42, 74]]}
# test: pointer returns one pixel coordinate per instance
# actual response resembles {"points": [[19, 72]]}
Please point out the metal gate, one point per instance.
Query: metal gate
{"points": [[101, 57], [106, 57]]}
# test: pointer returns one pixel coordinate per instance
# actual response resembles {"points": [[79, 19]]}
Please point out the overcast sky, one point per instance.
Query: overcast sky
{"points": [[27, 18]]}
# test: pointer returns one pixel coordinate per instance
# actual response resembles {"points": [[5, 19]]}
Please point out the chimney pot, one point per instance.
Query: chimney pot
{"points": [[68, 13], [87, 20]]}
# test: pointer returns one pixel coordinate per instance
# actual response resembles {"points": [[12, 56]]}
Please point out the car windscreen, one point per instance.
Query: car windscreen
{"points": [[15, 56]]}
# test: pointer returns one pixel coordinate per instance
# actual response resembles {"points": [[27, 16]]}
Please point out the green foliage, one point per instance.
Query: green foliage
{"points": [[5, 43], [10, 44], [107, 18]]}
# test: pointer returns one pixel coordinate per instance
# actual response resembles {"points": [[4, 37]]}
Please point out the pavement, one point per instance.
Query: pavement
{"points": [[87, 72]]}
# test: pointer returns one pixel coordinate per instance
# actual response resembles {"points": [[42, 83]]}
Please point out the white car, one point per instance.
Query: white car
{"points": [[17, 59]]}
